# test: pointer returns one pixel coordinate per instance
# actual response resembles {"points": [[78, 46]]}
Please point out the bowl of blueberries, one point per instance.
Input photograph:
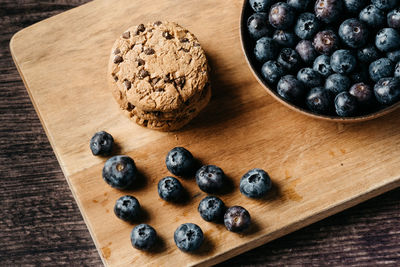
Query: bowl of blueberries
{"points": [[336, 60]]}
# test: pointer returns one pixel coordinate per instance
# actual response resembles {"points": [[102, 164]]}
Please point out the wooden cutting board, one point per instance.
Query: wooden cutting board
{"points": [[318, 168]]}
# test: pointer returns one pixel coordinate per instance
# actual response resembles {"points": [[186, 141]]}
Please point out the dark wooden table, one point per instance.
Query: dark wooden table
{"points": [[40, 223]]}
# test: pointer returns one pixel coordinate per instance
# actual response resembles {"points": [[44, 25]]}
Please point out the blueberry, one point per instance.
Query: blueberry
{"points": [[393, 18], [284, 38], [319, 100], [385, 4], [289, 59], [337, 83], [326, 42], [255, 183], [394, 56], [387, 39], [381, 68], [328, 10], [368, 54], [343, 61], [373, 17], [306, 51], [143, 237], [120, 172], [281, 16], [309, 77], [101, 143], [363, 93], [170, 189], [211, 209], [387, 90], [210, 178], [322, 65], [257, 25], [345, 104], [265, 49], [127, 208], [180, 162], [397, 70], [354, 6], [188, 237], [291, 89], [237, 219], [260, 5], [272, 71], [299, 5], [353, 33], [306, 26]]}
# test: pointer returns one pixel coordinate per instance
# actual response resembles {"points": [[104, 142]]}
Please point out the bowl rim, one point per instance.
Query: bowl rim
{"points": [[274, 94]]}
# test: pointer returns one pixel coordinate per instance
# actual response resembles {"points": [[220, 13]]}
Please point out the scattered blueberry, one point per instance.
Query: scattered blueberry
{"points": [[237, 219], [170, 189], [120, 172], [255, 183], [291, 89], [143, 237], [289, 59], [328, 10], [387, 90], [210, 178], [343, 61], [101, 143], [284, 38], [306, 26], [180, 162], [368, 54], [260, 5], [326, 42], [319, 100], [387, 39], [385, 4], [257, 25], [188, 237], [393, 18], [363, 93], [272, 71], [381, 68], [337, 83], [309, 77], [127, 208], [345, 104], [373, 17], [211, 209], [322, 65], [394, 56], [299, 5], [306, 51], [281, 16], [397, 70], [353, 33], [265, 49], [354, 6]]}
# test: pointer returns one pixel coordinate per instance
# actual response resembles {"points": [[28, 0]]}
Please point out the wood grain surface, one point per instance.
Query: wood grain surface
{"points": [[41, 224]]}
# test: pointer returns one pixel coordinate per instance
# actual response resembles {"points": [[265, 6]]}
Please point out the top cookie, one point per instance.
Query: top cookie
{"points": [[157, 67]]}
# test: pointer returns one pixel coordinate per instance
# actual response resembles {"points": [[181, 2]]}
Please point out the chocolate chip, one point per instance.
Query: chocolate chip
{"points": [[140, 62], [141, 28], [117, 51], [167, 35], [143, 74], [126, 35], [159, 89], [167, 78], [127, 84], [149, 51], [157, 23], [115, 77], [145, 123], [184, 40], [130, 107], [118, 59], [180, 81]]}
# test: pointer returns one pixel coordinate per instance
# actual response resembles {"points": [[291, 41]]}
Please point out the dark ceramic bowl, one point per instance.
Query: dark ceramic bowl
{"points": [[255, 66]]}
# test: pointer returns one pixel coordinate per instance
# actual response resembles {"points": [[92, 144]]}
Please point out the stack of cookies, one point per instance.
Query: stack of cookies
{"points": [[159, 75]]}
